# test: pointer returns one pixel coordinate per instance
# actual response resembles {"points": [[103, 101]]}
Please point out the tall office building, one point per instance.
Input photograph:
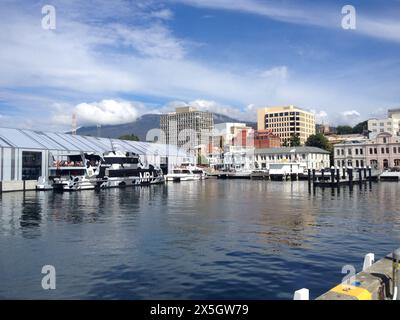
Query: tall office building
{"points": [[187, 127], [287, 121]]}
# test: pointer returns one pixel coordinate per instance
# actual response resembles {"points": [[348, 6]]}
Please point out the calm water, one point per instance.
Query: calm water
{"points": [[194, 240]]}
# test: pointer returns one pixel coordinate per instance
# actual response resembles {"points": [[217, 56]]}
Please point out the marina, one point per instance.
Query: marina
{"points": [[209, 239]]}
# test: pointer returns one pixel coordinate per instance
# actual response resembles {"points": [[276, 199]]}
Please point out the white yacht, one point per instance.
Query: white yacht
{"points": [[121, 169], [77, 172], [183, 174]]}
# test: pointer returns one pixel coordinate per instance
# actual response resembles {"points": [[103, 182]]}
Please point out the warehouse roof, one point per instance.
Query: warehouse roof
{"points": [[287, 150], [30, 139]]}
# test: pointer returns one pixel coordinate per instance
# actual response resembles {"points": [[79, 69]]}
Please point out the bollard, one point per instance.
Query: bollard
{"points": [[359, 175], [365, 173], [350, 172], [337, 175], [323, 175], [333, 175], [344, 173], [396, 274], [369, 259], [370, 173], [313, 175], [302, 294]]}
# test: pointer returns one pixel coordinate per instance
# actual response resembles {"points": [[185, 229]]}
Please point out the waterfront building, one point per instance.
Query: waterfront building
{"points": [[266, 139], [25, 155], [381, 152], [233, 146], [391, 124], [308, 157], [186, 127], [287, 121]]}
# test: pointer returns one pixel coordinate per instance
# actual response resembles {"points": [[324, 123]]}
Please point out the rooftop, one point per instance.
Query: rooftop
{"points": [[286, 150], [41, 140]]}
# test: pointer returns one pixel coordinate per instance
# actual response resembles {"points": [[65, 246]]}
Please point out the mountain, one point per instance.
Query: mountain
{"points": [[141, 126]]}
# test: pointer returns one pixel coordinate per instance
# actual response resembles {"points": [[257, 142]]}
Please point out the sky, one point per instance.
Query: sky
{"points": [[110, 62]]}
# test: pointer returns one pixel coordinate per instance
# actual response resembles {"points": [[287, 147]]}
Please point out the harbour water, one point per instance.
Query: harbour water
{"points": [[213, 239]]}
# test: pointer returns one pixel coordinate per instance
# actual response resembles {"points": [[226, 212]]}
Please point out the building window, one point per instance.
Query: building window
{"points": [[31, 165], [362, 163], [385, 163], [383, 150], [384, 140], [357, 152], [361, 151], [397, 162], [370, 151], [349, 152]]}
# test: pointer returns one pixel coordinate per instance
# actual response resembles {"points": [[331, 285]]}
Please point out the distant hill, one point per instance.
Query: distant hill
{"points": [[141, 126]]}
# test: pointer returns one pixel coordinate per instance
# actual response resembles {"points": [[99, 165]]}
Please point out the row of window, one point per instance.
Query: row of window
{"points": [[372, 150]]}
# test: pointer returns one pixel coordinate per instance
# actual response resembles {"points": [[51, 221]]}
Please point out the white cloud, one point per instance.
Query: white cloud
{"points": [[317, 15], [103, 112], [279, 72]]}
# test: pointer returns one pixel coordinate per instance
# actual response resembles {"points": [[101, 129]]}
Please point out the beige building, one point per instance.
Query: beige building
{"points": [[187, 127], [287, 121], [390, 125]]}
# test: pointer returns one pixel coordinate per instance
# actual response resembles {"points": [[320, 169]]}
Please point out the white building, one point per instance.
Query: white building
{"points": [[390, 125], [308, 157], [233, 147], [25, 155]]}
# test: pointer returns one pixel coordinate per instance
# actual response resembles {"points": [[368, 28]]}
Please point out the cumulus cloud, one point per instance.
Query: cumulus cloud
{"points": [[104, 112]]}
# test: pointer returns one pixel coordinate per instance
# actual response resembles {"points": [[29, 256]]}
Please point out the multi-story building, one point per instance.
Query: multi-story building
{"points": [[391, 124], [233, 146], [187, 128], [286, 122], [308, 157], [266, 139], [380, 153]]}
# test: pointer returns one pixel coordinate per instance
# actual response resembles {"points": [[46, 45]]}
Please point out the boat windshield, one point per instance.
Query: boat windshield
{"points": [[186, 171], [197, 171], [177, 171]]}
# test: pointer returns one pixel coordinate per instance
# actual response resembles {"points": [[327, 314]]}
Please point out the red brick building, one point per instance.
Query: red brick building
{"points": [[266, 139]]}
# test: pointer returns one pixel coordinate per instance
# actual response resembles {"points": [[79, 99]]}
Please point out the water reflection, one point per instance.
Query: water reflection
{"points": [[209, 239]]}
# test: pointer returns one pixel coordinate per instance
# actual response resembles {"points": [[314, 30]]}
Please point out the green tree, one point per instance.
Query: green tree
{"points": [[320, 141], [294, 140], [344, 130], [360, 127], [130, 137]]}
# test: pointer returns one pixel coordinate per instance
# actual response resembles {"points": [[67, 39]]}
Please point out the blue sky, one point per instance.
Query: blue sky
{"points": [[111, 61]]}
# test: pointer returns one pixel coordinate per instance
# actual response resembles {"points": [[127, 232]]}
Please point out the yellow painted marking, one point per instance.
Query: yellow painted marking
{"points": [[359, 293]]}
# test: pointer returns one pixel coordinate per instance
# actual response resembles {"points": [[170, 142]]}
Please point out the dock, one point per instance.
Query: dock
{"points": [[377, 281], [346, 177]]}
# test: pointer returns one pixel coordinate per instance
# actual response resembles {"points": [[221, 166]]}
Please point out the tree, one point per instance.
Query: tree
{"points": [[130, 137], [294, 140], [360, 127], [320, 141], [344, 130]]}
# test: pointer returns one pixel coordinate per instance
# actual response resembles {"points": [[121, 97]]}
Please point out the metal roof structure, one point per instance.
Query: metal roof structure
{"points": [[287, 150], [41, 140]]}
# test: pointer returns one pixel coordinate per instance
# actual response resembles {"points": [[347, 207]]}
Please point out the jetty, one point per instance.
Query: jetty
{"points": [[378, 280], [336, 177]]}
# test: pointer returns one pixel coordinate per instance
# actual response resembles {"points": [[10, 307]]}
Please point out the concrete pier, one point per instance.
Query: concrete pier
{"points": [[373, 283]]}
